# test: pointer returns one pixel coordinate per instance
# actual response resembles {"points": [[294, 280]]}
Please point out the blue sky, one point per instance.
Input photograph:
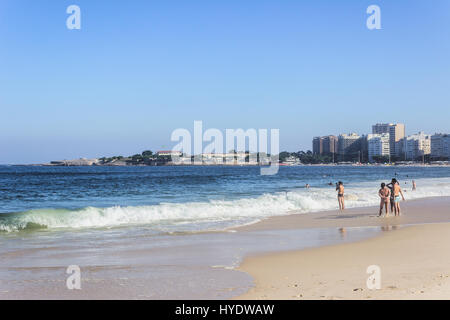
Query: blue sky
{"points": [[137, 70]]}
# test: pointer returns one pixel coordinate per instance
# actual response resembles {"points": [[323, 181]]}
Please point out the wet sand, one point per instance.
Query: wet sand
{"points": [[130, 263], [420, 211], [414, 261], [280, 256]]}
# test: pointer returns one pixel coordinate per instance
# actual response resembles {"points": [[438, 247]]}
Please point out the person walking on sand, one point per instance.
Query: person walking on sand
{"points": [[397, 192], [384, 194], [340, 190]]}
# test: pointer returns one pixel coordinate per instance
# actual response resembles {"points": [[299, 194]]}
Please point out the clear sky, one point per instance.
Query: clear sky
{"points": [[137, 70]]}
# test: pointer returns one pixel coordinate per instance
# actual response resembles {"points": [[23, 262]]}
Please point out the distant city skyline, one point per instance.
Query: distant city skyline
{"points": [[136, 72], [387, 142]]}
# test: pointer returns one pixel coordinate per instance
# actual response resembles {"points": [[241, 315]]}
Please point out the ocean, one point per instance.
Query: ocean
{"points": [[171, 226], [185, 199]]}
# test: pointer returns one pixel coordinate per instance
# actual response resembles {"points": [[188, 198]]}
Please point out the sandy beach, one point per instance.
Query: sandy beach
{"points": [[320, 255], [413, 256]]}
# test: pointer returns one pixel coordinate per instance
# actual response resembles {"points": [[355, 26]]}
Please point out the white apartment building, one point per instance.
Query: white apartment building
{"points": [[417, 145], [379, 145], [397, 134]]}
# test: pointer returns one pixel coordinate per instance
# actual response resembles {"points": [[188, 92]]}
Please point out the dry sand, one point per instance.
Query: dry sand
{"points": [[414, 260]]}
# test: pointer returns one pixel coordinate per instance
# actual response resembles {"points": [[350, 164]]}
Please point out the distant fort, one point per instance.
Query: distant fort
{"points": [[161, 158]]}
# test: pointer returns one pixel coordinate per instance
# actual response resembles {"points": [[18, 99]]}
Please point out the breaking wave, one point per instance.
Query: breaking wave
{"points": [[213, 213]]}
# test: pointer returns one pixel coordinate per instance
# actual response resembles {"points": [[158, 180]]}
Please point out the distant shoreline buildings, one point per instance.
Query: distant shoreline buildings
{"points": [[387, 143], [395, 133], [162, 158]]}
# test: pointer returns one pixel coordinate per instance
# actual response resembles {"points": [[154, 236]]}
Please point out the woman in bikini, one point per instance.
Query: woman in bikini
{"points": [[340, 190], [391, 189], [384, 194]]}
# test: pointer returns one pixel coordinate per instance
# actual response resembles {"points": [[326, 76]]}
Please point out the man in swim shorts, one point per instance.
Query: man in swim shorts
{"points": [[397, 192]]}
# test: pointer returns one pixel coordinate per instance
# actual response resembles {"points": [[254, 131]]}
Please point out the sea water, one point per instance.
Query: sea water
{"points": [[178, 199], [157, 232]]}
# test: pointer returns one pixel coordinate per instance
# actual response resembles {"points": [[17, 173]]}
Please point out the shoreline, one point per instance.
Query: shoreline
{"points": [[366, 216], [401, 165], [413, 254], [126, 265]]}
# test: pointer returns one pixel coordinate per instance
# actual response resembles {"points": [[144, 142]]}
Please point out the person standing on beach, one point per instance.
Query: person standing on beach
{"points": [[397, 192], [340, 190], [391, 189], [384, 194]]}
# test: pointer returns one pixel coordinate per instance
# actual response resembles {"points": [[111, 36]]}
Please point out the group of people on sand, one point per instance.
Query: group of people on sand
{"points": [[390, 196]]}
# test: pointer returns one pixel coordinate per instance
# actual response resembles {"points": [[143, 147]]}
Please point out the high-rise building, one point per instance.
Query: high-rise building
{"points": [[364, 145], [330, 144], [346, 141], [379, 145], [417, 145], [440, 146], [325, 145], [380, 128], [349, 145], [317, 145], [396, 132]]}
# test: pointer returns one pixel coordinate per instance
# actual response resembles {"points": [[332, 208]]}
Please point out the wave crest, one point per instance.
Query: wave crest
{"points": [[214, 211]]}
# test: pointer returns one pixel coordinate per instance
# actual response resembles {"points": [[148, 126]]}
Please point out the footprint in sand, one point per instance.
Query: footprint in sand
{"points": [[392, 287]]}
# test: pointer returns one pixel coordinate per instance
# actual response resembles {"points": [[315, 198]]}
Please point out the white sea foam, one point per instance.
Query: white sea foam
{"points": [[195, 215]]}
